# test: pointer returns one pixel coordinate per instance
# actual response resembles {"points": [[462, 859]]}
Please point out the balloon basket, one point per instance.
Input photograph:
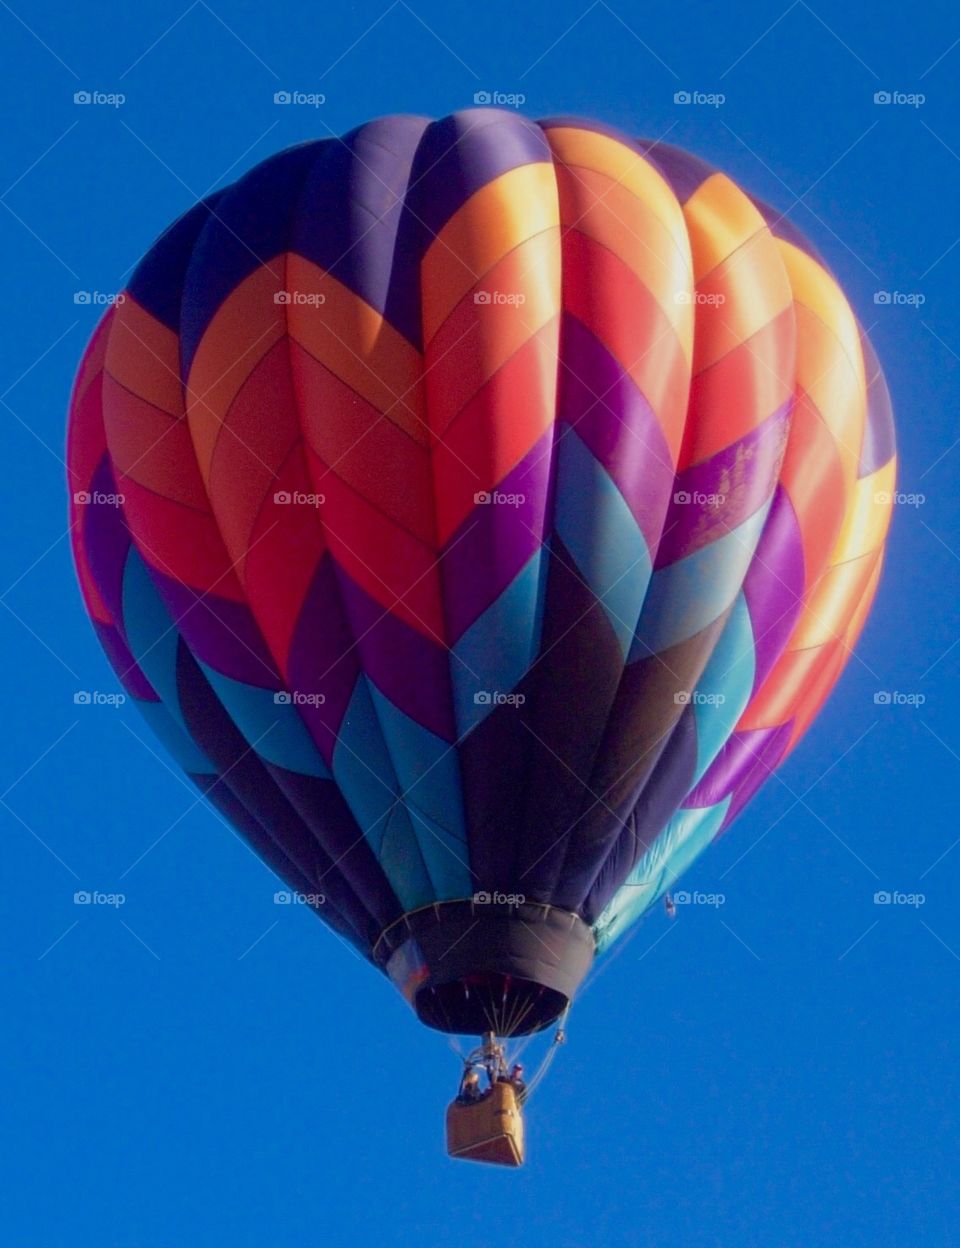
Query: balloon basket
{"points": [[490, 1129]]}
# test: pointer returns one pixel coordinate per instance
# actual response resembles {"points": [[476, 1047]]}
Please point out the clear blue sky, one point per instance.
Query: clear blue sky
{"points": [[204, 1067]]}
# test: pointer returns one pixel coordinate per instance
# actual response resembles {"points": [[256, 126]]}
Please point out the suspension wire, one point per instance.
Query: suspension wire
{"points": [[525, 1040], [520, 1016], [523, 1045], [497, 1011], [510, 1020], [491, 1020], [559, 1037], [520, 1012]]}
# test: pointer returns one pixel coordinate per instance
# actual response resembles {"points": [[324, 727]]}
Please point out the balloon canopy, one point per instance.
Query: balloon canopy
{"points": [[479, 510]]}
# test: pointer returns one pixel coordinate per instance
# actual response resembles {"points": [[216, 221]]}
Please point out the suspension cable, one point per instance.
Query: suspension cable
{"points": [[559, 1037]]}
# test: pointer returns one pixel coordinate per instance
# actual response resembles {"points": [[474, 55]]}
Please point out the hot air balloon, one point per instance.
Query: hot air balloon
{"points": [[479, 510]]}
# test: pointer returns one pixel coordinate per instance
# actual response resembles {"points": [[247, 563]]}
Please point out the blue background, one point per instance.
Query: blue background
{"points": [[203, 1066]]}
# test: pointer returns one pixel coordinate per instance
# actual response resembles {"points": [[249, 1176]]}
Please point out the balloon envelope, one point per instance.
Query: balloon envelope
{"points": [[480, 510]]}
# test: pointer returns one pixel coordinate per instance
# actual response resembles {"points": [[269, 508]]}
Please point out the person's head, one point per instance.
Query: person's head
{"points": [[471, 1077]]}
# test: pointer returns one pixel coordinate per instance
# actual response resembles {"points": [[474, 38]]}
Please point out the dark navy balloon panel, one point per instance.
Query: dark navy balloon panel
{"points": [[494, 505]]}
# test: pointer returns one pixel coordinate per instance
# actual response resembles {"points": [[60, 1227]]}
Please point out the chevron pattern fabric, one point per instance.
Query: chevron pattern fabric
{"points": [[480, 504]]}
